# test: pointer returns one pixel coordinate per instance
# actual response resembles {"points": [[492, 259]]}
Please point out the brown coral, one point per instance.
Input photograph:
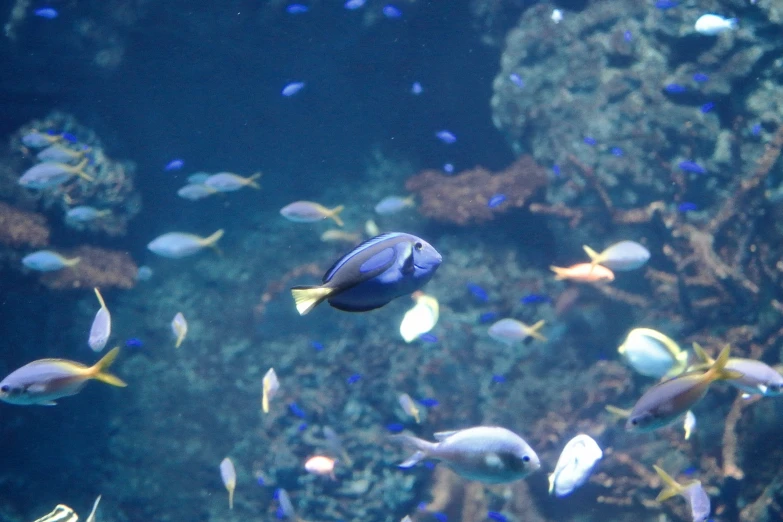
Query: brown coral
{"points": [[21, 228], [98, 268], [464, 198]]}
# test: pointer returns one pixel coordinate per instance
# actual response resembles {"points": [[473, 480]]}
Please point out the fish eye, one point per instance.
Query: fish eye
{"points": [[525, 458], [5, 388], [418, 245], [635, 421]]}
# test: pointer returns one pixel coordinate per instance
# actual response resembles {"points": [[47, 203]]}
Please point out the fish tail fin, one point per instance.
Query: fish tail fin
{"points": [[410, 201], [72, 262], [701, 354], [423, 449], [718, 371], [79, 170], [98, 370], [672, 488], [214, 238], [733, 23], [551, 482], [231, 498], [533, 331], [308, 297], [102, 213], [251, 181], [559, 273], [100, 297], [619, 412], [333, 213]]}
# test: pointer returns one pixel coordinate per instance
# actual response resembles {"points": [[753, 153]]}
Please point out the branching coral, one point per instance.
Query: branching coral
{"points": [[21, 228], [464, 198], [97, 268]]}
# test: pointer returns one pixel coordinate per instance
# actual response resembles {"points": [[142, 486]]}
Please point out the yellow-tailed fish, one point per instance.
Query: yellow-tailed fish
{"points": [[270, 387], [409, 407], [61, 513], [693, 493], [371, 228], [195, 192], [758, 378], [620, 413], [393, 204], [36, 139], [61, 154], [622, 256], [179, 326], [48, 261], [229, 475], [668, 400], [311, 212], [689, 424], [511, 331], [101, 326], [176, 245], [44, 381], [228, 182], [341, 235], [421, 318], [91, 517], [51, 174], [653, 354], [85, 214]]}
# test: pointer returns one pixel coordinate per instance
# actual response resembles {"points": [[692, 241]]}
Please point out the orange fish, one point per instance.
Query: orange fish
{"points": [[583, 273], [319, 465]]}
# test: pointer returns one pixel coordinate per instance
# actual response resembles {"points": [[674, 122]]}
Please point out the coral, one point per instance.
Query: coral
{"points": [[98, 268], [21, 228], [464, 198]]}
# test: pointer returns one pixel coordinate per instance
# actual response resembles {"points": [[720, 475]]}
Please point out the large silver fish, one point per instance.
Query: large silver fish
{"points": [[489, 454], [372, 274]]}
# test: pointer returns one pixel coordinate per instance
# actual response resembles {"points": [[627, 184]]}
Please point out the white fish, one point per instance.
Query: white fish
{"points": [[50, 174], [575, 465], [179, 326], [689, 424], [101, 326], [557, 16], [311, 212], [176, 245], [622, 256], [511, 331], [712, 24], [489, 454], [84, 213], [393, 204], [758, 378], [421, 318], [228, 182], [409, 407], [195, 192], [36, 139], [292, 88], [91, 517], [61, 513], [371, 228], [60, 154], [697, 499], [270, 387], [48, 261], [653, 354], [198, 178], [229, 475]]}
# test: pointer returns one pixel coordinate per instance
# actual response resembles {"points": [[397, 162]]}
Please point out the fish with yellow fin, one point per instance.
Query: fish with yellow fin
{"points": [[44, 381], [270, 386], [758, 378], [652, 353], [100, 331], [179, 327], [421, 318], [697, 499], [176, 245], [229, 475], [311, 212], [229, 182], [52, 174], [621, 256]]}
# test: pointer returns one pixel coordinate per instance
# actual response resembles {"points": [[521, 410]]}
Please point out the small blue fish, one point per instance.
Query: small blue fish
{"points": [[665, 5], [354, 4], [675, 88], [498, 379], [317, 346], [174, 164], [46, 12], [497, 517], [691, 166], [627, 36], [516, 80], [589, 140], [353, 379], [302, 426], [297, 9], [496, 200], [617, 152], [556, 169], [389, 11], [700, 77], [416, 88], [441, 517], [488, 317], [429, 402], [134, 342], [687, 207], [446, 137], [67, 136], [292, 88], [296, 410], [707, 107], [261, 482], [756, 129], [535, 299], [448, 168], [395, 427], [428, 338], [478, 292]]}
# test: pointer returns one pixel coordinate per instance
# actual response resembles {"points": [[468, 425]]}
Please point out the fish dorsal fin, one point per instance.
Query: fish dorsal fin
{"points": [[443, 435], [360, 247]]}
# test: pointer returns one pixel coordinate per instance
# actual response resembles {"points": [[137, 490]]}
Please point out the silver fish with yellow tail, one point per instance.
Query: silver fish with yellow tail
{"points": [[697, 499], [758, 378]]}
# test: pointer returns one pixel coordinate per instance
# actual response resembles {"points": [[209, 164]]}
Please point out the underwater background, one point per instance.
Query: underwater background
{"points": [[524, 130]]}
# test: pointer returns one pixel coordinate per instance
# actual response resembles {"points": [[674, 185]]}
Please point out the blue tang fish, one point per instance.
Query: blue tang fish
{"points": [[372, 274]]}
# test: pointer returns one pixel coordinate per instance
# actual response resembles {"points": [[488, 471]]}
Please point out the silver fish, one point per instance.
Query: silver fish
{"points": [[176, 245], [101, 326], [625, 255], [48, 261], [49, 174], [576, 463], [489, 454], [758, 378], [697, 499]]}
